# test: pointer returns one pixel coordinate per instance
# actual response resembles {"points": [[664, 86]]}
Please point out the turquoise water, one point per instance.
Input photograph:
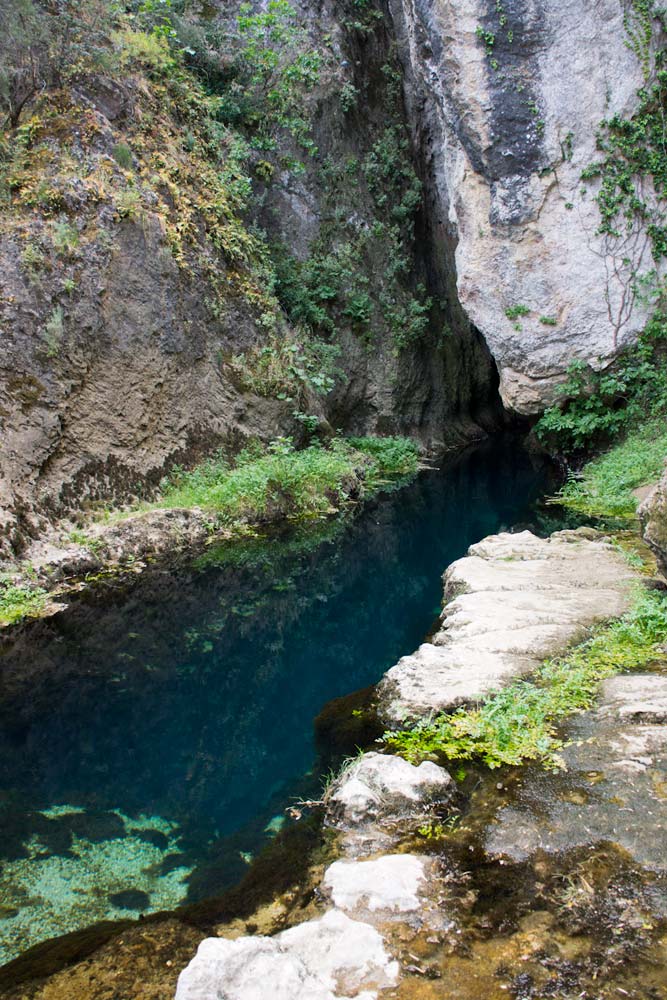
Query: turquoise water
{"points": [[151, 736]]}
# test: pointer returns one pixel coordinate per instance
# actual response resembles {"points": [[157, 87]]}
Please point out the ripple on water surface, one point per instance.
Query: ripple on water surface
{"points": [[150, 737]]}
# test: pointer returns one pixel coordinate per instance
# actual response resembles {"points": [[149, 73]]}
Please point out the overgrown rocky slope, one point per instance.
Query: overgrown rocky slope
{"points": [[219, 224]]}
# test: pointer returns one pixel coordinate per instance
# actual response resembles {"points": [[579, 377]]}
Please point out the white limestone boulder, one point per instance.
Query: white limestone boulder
{"points": [[394, 887], [383, 787], [333, 958]]}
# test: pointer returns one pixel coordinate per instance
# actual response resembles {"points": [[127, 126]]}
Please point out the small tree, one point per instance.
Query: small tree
{"points": [[46, 43]]}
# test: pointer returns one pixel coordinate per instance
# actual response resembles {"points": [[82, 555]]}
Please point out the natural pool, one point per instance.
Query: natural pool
{"points": [[151, 736]]}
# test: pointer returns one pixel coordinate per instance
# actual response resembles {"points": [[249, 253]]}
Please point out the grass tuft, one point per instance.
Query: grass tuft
{"points": [[606, 485]]}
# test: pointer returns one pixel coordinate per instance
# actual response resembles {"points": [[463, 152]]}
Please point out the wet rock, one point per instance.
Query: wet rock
{"points": [[513, 601], [130, 899], [635, 698], [332, 958], [653, 516], [384, 787], [614, 789], [392, 887]]}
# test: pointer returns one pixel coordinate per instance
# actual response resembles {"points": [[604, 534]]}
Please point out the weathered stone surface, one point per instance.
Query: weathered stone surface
{"points": [[614, 789], [514, 600], [332, 958], [653, 516], [392, 887], [506, 131], [381, 787]]}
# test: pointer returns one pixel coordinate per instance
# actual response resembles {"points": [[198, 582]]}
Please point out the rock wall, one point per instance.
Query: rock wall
{"points": [[653, 517], [115, 348], [506, 97]]}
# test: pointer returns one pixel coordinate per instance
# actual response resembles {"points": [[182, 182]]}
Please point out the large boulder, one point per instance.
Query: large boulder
{"points": [[333, 958]]}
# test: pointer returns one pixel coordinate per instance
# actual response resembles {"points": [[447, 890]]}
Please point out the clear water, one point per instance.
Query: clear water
{"points": [[151, 736]]}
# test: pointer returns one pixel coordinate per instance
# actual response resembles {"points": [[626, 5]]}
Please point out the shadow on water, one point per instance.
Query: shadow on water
{"points": [[151, 736]]}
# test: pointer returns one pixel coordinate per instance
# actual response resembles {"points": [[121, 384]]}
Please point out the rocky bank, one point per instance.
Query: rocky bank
{"points": [[386, 910]]}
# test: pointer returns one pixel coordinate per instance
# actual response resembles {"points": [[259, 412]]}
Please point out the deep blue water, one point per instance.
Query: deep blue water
{"points": [[190, 696]]}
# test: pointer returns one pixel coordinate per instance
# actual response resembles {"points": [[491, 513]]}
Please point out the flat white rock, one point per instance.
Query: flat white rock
{"points": [[392, 885], [513, 601], [333, 958]]}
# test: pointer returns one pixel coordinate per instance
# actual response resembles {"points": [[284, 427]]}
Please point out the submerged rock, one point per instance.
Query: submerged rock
{"points": [[332, 958], [513, 601]]}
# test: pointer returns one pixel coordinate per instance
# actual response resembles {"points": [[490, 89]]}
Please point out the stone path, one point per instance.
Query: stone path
{"points": [[511, 602]]}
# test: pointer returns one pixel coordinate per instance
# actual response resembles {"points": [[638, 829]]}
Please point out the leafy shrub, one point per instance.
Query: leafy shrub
{"points": [[18, 602], [128, 203], [42, 46], [605, 487], [391, 455], [148, 49], [514, 312], [283, 368], [597, 406]]}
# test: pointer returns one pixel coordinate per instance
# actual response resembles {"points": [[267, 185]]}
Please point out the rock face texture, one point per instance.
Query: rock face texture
{"points": [[510, 603], [653, 517], [506, 100]]}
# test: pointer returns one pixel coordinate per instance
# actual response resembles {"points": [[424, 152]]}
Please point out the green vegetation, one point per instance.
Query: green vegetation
{"points": [[518, 724], [284, 483], [18, 602], [605, 486], [596, 407], [283, 369], [392, 456], [514, 312]]}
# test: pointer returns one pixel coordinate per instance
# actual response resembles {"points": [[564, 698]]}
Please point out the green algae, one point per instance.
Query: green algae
{"points": [[47, 893]]}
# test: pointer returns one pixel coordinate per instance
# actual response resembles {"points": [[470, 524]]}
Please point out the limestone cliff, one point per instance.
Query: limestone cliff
{"points": [[506, 98]]}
